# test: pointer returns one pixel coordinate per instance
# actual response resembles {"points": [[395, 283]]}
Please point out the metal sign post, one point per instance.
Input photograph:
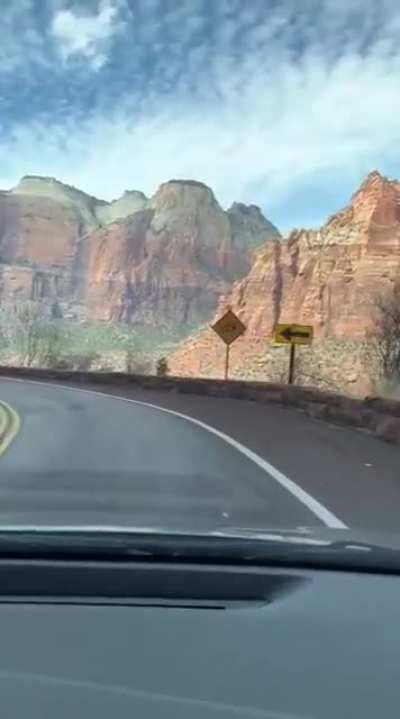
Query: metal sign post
{"points": [[291, 334], [227, 361], [228, 328], [291, 363]]}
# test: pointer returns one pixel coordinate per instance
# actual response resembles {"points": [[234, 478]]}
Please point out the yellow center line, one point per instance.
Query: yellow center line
{"points": [[10, 424], [3, 420]]}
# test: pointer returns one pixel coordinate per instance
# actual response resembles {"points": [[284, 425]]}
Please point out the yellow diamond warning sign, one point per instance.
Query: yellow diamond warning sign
{"points": [[229, 327]]}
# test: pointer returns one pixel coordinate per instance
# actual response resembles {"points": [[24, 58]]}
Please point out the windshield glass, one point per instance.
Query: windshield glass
{"points": [[199, 266]]}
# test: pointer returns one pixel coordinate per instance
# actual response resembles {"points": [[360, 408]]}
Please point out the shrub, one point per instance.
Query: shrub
{"points": [[162, 367]]}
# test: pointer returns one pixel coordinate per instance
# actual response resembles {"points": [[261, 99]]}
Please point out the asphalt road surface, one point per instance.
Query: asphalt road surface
{"points": [[82, 458]]}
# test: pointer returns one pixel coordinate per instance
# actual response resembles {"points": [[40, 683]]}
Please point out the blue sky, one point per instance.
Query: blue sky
{"points": [[285, 104]]}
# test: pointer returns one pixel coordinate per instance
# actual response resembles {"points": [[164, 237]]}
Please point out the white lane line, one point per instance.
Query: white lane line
{"points": [[323, 513]]}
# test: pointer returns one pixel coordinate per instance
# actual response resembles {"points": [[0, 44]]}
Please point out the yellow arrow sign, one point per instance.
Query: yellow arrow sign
{"points": [[285, 334], [229, 327]]}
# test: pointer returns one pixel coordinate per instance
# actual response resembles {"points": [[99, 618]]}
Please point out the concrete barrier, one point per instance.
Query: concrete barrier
{"points": [[379, 416]]}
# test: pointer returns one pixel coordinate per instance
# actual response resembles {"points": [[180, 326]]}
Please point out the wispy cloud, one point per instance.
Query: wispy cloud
{"points": [[87, 35], [22, 45], [265, 102]]}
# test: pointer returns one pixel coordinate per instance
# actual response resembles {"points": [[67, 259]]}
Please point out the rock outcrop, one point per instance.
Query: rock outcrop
{"points": [[163, 260], [170, 263], [327, 278]]}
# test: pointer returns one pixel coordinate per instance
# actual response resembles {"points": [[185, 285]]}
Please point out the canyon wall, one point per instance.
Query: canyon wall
{"points": [[159, 261], [327, 278]]}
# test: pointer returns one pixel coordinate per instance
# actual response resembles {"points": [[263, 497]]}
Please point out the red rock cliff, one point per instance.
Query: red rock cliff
{"points": [[171, 262], [325, 277], [164, 260]]}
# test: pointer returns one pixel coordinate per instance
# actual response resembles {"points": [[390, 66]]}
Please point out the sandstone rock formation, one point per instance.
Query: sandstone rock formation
{"points": [[326, 278], [157, 261]]}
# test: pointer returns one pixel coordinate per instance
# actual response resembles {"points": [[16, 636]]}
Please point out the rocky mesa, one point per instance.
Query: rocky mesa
{"points": [[164, 260], [327, 278]]}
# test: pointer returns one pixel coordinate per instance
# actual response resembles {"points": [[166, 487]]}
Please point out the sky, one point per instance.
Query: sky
{"points": [[285, 104]]}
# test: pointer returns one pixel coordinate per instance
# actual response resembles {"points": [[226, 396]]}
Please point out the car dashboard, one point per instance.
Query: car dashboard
{"points": [[163, 639]]}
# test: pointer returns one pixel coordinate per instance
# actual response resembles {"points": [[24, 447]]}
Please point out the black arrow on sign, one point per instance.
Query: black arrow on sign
{"points": [[289, 334]]}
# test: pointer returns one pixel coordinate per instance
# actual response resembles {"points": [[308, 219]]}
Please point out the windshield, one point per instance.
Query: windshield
{"points": [[199, 267]]}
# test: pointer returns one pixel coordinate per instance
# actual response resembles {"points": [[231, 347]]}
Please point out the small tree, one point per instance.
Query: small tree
{"points": [[162, 367], [386, 335], [136, 361], [131, 351], [130, 357], [28, 333], [50, 347]]}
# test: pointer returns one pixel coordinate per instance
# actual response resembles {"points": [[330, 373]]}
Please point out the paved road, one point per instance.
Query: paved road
{"points": [[86, 458]]}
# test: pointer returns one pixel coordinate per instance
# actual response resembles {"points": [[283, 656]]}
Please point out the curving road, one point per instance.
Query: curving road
{"points": [[89, 458]]}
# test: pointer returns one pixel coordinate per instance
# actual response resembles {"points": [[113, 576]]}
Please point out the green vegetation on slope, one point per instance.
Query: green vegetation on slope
{"points": [[30, 337]]}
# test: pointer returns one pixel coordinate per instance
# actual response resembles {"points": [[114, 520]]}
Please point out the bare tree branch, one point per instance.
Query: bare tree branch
{"points": [[386, 336], [28, 332]]}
